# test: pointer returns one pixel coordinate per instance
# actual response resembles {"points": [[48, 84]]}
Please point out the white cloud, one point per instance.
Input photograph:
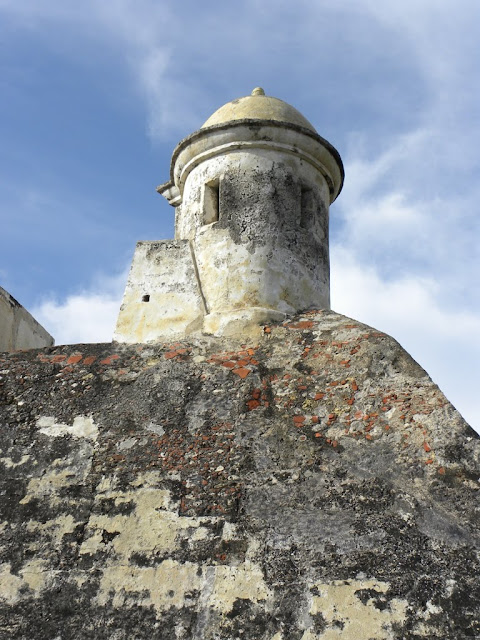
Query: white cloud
{"points": [[404, 214], [87, 316]]}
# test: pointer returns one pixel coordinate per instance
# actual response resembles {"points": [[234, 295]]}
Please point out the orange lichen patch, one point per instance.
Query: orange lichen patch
{"points": [[318, 434], [242, 372], [255, 400], [354, 350], [426, 447], [314, 419], [441, 470], [303, 324], [59, 358], [267, 330], [110, 359], [368, 436], [429, 461], [350, 401], [344, 362], [237, 362], [89, 360], [319, 396], [350, 326], [298, 420], [354, 385], [75, 358], [358, 415], [334, 443], [173, 353]]}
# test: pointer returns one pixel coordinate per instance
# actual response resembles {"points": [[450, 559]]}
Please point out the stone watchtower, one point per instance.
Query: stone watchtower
{"points": [[251, 190]]}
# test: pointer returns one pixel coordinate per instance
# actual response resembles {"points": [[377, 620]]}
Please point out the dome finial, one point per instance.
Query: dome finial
{"points": [[258, 91]]}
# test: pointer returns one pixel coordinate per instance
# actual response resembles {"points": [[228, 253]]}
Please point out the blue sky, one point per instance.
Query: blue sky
{"points": [[96, 95]]}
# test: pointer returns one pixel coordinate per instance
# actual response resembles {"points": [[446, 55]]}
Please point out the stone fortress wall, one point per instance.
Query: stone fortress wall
{"points": [[313, 484]]}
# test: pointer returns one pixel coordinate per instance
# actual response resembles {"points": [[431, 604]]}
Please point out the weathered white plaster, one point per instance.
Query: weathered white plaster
{"points": [[33, 578], [162, 299], [347, 617], [82, 427]]}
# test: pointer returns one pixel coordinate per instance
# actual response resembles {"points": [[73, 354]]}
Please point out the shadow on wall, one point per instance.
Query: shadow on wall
{"points": [[18, 328]]}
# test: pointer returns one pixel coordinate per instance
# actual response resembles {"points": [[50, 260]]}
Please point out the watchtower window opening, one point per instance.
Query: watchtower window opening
{"points": [[146, 297], [211, 201], [306, 208]]}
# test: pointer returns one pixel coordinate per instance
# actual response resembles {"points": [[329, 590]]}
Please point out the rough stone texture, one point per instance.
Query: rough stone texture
{"points": [[312, 485], [18, 328]]}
